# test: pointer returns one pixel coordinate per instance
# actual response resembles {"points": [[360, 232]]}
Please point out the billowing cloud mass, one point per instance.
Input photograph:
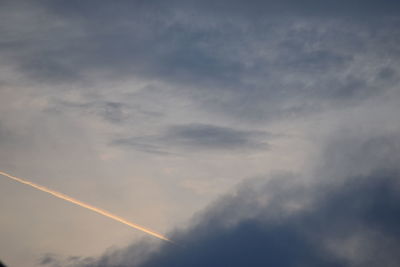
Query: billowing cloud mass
{"points": [[333, 221], [255, 133]]}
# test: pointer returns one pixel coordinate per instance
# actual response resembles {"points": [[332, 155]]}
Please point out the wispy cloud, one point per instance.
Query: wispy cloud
{"points": [[200, 137]]}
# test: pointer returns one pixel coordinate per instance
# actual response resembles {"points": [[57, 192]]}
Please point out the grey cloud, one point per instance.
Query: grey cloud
{"points": [[349, 220], [359, 154], [47, 259], [258, 68], [363, 208], [210, 136], [200, 137], [354, 8], [143, 144], [113, 112], [54, 261], [387, 74], [357, 8]]}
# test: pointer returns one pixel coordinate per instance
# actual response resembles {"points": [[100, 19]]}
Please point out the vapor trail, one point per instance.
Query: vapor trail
{"points": [[87, 206]]}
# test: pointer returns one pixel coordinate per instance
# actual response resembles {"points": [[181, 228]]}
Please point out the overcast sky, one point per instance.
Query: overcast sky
{"points": [[253, 133]]}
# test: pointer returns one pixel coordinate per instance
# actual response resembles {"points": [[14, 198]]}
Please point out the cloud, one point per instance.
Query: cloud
{"points": [[209, 136], [199, 137], [356, 8], [253, 66], [104, 81], [255, 8], [47, 259], [113, 112], [339, 219], [363, 210]]}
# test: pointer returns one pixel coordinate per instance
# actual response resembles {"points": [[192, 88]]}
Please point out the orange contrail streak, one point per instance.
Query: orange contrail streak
{"points": [[87, 206]]}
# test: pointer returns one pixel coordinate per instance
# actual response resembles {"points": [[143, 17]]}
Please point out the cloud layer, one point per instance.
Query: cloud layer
{"points": [[234, 58]]}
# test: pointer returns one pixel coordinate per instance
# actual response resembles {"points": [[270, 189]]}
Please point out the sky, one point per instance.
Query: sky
{"points": [[251, 133]]}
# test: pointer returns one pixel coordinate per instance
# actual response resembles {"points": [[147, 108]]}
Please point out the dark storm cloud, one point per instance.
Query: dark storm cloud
{"points": [[364, 209], [198, 137], [338, 220]]}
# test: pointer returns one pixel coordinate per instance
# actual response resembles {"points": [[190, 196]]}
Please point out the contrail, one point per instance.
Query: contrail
{"points": [[87, 206]]}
